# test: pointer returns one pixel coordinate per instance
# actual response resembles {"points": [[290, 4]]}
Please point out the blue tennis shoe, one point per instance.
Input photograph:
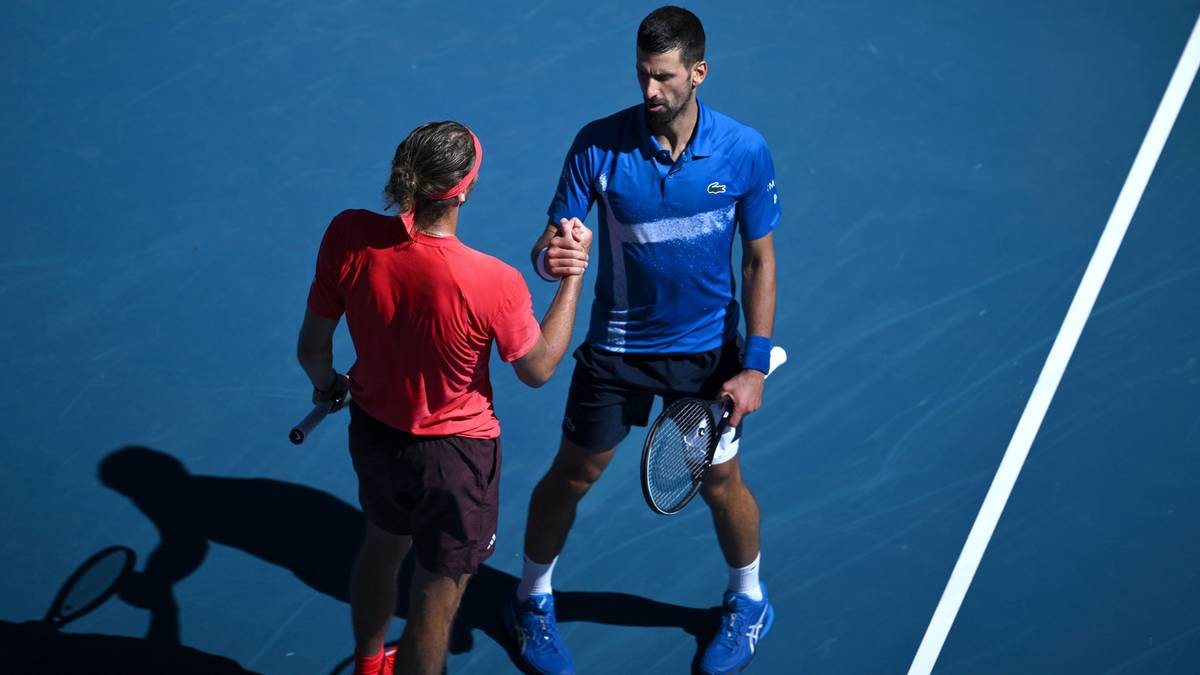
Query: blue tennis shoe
{"points": [[743, 623], [531, 623]]}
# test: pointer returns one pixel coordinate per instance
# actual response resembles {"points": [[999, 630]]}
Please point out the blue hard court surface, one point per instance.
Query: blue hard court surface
{"points": [[947, 168]]}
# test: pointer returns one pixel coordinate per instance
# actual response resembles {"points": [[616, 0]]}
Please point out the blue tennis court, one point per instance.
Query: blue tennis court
{"points": [[946, 171]]}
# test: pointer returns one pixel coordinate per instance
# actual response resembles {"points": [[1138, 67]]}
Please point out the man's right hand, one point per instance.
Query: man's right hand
{"points": [[335, 392], [567, 254]]}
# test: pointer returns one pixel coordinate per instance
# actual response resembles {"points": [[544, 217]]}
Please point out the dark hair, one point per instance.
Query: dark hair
{"points": [[669, 28], [433, 159]]}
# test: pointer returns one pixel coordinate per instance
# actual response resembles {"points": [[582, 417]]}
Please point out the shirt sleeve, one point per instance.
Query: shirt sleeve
{"points": [[758, 209], [575, 193], [325, 294], [516, 329]]}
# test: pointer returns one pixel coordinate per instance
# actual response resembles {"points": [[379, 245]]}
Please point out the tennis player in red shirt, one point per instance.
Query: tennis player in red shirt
{"points": [[423, 311]]}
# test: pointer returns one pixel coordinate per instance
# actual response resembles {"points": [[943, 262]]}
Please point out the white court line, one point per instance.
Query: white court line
{"points": [[1060, 354]]}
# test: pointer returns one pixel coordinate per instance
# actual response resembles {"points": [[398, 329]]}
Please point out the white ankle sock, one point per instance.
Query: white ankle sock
{"points": [[535, 578], [745, 580]]}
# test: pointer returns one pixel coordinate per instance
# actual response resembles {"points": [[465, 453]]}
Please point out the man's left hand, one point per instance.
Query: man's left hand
{"points": [[746, 390]]}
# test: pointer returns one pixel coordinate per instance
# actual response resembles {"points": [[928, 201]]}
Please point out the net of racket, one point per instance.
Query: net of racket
{"points": [[314, 417], [680, 447], [94, 582]]}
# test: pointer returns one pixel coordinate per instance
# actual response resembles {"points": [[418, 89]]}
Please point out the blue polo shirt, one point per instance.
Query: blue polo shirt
{"points": [[665, 283]]}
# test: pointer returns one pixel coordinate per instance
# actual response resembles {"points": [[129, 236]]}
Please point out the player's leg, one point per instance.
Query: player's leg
{"points": [[734, 509], [556, 496], [373, 587], [529, 616], [746, 614], [600, 409], [453, 484], [604, 401], [373, 449], [434, 600], [734, 512]]}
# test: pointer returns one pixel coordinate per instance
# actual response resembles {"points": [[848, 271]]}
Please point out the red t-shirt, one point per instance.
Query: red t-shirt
{"points": [[422, 314]]}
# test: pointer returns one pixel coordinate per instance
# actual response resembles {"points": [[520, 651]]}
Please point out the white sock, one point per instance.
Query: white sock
{"points": [[535, 578], [745, 580]]}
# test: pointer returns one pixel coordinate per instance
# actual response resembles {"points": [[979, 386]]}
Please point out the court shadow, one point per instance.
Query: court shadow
{"points": [[316, 536], [35, 647]]}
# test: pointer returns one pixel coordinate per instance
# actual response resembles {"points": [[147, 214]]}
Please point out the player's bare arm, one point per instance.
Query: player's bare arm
{"points": [[758, 299], [555, 253], [314, 350], [537, 366]]}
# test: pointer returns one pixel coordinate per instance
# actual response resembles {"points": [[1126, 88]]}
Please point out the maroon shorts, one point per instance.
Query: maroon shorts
{"points": [[444, 491]]}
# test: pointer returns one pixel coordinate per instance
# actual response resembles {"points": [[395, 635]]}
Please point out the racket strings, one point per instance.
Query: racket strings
{"points": [[678, 453]]}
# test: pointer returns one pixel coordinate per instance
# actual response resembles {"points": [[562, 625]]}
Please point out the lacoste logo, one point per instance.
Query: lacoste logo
{"points": [[715, 188]]}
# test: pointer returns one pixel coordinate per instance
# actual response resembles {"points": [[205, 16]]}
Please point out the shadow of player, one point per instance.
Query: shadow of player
{"points": [[34, 647], [316, 536]]}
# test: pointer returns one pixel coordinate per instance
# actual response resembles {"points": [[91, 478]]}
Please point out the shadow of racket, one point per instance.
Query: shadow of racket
{"points": [[95, 581]]}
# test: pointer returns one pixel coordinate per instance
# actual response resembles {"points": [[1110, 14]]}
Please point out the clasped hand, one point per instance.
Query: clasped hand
{"points": [[567, 254]]}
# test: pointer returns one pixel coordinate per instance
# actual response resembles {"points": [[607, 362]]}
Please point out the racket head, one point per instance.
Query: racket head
{"points": [[679, 449], [92, 583]]}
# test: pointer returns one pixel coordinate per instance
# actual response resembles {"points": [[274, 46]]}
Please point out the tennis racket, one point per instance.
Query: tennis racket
{"points": [[313, 418], [680, 446], [90, 585]]}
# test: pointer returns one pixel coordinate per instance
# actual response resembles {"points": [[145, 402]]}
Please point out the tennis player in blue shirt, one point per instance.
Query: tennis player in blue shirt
{"points": [[674, 180]]}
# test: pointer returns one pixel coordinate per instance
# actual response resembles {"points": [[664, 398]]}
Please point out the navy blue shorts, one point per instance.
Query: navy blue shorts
{"points": [[611, 391]]}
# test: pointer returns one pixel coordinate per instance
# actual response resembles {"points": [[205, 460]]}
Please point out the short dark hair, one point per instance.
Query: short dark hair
{"points": [[669, 28], [433, 159]]}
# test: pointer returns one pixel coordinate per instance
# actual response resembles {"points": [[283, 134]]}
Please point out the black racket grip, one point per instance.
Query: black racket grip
{"points": [[315, 417]]}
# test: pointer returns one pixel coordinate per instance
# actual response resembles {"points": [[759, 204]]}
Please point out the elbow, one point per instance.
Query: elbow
{"points": [[757, 265], [758, 271], [535, 378], [304, 353], [307, 352]]}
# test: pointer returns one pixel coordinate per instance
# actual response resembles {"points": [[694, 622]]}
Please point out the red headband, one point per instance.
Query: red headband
{"points": [[458, 189], [467, 179]]}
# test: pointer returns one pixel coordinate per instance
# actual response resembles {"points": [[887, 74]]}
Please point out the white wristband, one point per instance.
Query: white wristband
{"points": [[540, 266]]}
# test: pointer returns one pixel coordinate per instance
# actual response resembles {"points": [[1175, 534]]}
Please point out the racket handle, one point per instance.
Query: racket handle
{"points": [[778, 358], [310, 421], [724, 407]]}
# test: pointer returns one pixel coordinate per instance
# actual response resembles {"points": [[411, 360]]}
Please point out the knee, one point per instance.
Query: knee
{"points": [[720, 482], [436, 598], [382, 549], [575, 478]]}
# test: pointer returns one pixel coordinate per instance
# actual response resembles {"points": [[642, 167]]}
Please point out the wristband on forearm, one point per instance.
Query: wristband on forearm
{"points": [[757, 355], [540, 266]]}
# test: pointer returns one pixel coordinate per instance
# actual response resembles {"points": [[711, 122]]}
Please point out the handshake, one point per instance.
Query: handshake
{"points": [[567, 253]]}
